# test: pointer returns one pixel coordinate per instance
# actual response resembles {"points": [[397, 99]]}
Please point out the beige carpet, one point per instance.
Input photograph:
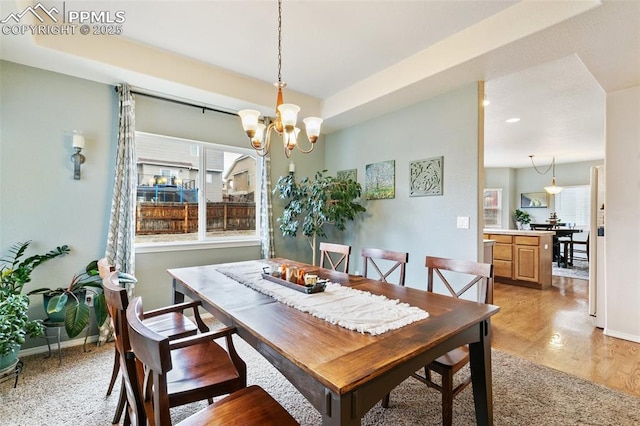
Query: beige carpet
{"points": [[524, 394]]}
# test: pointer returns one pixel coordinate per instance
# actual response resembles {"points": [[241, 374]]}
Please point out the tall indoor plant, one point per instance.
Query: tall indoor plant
{"points": [[15, 324], [316, 203]]}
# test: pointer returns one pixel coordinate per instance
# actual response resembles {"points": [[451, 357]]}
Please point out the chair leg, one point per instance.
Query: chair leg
{"points": [[122, 401], [447, 398], [385, 401], [114, 373]]}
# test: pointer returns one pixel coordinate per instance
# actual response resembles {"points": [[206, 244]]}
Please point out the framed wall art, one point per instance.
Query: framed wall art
{"points": [[380, 180], [534, 200], [347, 174], [426, 177]]}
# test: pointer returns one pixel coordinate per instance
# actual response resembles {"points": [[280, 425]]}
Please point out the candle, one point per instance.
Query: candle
{"points": [[78, 141]]}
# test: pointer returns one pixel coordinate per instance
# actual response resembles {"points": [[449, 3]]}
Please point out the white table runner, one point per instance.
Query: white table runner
{"points": [[347, 307]]}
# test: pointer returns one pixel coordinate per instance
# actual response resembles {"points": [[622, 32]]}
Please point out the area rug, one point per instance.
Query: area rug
{"points": [[580, 269], [524, 394]]}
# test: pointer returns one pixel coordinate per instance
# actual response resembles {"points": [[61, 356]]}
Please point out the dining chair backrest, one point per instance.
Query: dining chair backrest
{"points": [[152, 350], [581, 246], [341, 255], [394, 260], [481, 276], [117, 301]]}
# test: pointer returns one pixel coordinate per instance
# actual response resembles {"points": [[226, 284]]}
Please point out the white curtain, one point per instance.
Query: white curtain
{"points": [[120, 239]]}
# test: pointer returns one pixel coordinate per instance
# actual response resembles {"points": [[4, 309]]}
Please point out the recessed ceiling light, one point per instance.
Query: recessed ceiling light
{"points": [[513, 120]]}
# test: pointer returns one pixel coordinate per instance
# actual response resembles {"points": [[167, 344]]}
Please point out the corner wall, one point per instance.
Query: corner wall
{"points": [[446, 126], [622, 202]]}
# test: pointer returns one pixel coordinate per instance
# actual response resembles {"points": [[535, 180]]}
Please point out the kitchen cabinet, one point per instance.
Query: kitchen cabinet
{"points": [[522, 257]]}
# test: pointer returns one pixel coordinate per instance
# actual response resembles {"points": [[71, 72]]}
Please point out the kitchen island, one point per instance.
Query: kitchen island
{"points": [[522, 257]]}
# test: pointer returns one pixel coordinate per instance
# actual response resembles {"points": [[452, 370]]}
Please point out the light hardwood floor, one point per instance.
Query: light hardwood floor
{"points": [[552, 327]]}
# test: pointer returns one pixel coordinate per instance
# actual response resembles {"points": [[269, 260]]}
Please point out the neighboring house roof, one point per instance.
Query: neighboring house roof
{"points": [[233, 165]]}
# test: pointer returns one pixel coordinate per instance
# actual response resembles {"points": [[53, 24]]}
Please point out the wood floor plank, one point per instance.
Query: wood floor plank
{"points": [[552, 327]]}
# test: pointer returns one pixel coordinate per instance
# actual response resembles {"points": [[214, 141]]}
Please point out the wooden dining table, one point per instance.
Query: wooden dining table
{"points": [[344, 373]]}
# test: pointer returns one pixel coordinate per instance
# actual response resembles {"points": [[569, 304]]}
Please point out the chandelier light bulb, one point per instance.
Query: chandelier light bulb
{"points": [[289, 115], [256, 140], [312, 126], [249, 119]]}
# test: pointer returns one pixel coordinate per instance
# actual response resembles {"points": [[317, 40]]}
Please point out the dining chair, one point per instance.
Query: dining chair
{"points": [[581, 247], [452, 273], [399, 259], [168, 321], [340, 255], [159, 358], [104, 269]]}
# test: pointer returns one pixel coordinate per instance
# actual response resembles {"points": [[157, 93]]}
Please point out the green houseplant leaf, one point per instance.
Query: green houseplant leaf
{"points": [[14, 306], [76, 318]]}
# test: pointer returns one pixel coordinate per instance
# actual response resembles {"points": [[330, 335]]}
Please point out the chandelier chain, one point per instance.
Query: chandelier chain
{"points": [[279, 41], [553, 163]]}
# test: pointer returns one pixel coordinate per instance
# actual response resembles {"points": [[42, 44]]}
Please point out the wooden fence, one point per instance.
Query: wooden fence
{"points": [[178, 218]]}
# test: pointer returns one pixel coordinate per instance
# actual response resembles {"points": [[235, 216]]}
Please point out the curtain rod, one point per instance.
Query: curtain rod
{"points": [[176, 101]]}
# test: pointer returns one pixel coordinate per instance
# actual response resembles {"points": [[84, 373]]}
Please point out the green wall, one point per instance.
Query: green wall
{"points": [[446, 126], [39, 200]]}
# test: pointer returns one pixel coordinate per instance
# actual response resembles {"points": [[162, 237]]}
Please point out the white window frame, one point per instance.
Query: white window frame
{"points": [[203, 241], [497, 192]]}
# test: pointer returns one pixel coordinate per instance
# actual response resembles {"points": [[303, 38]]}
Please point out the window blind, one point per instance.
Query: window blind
{"points": [[572, 206]]}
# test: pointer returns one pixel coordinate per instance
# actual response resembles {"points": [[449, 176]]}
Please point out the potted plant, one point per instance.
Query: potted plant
{"points": [[14, 320], [315, 203], [521, 218], [69, 304]]}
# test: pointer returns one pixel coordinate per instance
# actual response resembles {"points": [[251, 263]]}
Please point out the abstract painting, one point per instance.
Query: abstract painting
{"points": [[426, 177], [380, 180], [347, 174]]}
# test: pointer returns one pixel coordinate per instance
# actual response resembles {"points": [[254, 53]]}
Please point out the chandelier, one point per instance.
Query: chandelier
{"points": [[553, 189], [286, 117]]}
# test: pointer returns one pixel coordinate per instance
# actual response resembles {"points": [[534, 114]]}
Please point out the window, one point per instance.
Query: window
{"points": [[492, 203], [185, 191], [572, 206]]}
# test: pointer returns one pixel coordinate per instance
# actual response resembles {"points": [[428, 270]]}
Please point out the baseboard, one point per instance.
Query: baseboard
{"points": [[625, 336], [54, 346], [75, 342]]}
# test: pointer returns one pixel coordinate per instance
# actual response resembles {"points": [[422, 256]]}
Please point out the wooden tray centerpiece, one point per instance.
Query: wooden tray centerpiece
{"points": [[318, 287]]}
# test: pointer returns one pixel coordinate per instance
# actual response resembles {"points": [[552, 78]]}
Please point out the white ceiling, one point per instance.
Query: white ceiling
{"points": [[548, 62]]}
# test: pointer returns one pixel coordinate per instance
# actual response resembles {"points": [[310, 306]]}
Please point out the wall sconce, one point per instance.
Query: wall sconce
{"points": [[77, 158]]}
